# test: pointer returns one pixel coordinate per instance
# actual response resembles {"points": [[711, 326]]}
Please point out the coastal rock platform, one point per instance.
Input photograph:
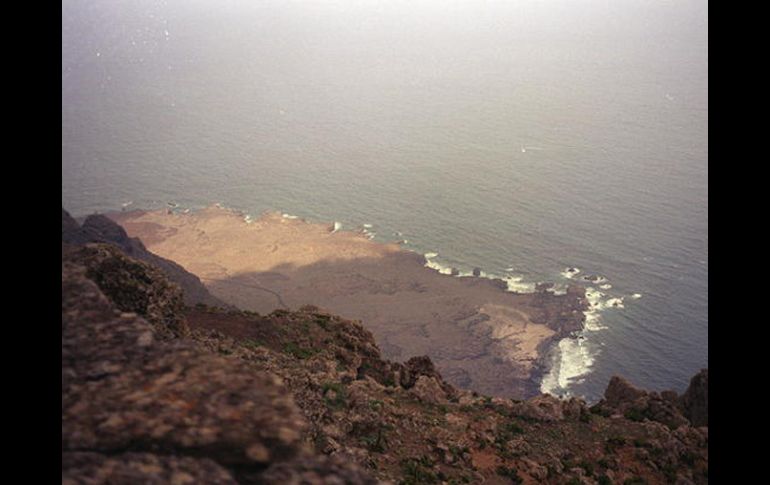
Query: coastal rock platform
{"points": [[479, 335]]}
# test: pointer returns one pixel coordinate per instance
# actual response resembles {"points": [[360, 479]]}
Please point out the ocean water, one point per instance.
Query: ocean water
{"points": [[522, 138]]}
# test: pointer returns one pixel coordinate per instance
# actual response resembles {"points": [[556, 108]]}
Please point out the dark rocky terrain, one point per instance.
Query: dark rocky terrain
{"points": [[158, 390], [99, 228]]}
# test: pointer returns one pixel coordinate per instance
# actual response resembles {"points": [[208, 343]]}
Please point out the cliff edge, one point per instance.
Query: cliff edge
{"points": [[156, 391]]}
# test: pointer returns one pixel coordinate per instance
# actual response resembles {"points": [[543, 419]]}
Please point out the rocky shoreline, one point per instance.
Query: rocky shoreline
{"points": [[480, 335], [158, 391]]}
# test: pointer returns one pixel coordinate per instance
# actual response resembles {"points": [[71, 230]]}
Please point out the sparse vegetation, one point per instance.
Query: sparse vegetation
{"points": [[334, 395], [603, 480], [252, 343], [330, 371], [613, 444], [635, 481], [511, 473], [635, 414], [588, 467], [417, 471], [295, 350]]}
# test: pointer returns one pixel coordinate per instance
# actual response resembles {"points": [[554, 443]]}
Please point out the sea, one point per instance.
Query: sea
{"points": [[554, 140]]}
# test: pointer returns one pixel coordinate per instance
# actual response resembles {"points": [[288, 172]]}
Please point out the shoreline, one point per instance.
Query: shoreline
{"points": [[481, 335]]}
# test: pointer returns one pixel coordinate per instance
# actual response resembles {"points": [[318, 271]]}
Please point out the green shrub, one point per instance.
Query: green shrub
{"points": [[339, 400], [588, 467], [635, 481], [416, 471], [509, 473], [251, 343], [612, 444], [295, 350], [635, 415], [603, 480]]}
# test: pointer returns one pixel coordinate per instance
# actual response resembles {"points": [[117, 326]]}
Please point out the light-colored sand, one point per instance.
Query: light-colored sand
{"points": [[480, 336]]}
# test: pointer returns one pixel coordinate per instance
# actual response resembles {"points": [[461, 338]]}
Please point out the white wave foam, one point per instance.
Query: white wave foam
{"points": [[598, 302], [558, 289], [636, 296], [517, 285], [509, 270], [367, 226], [615, 303], [288, 216], [438, 266], [593, 296], [572, 360], [514, 283], [570, 273], [595, 279], [593, 322]]}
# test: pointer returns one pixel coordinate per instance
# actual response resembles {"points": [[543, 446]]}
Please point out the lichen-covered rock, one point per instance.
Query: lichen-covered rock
{"points": [[540, 408], [622, 398], [574, 408], [411, 371], [427, 389], [133, 286], [316, 471], [87, 468], [125, 391]]}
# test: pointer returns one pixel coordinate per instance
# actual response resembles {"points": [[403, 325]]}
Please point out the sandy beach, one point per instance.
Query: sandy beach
{"points": [[481, 336]]}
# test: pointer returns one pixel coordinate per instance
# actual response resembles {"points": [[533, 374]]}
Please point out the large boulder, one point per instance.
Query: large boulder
{"points": [[619, 392], [622, 397], [166, 411], [415, 368], [544, 407], [427, 389], [147, 468], [124, 390], [133, 286]]}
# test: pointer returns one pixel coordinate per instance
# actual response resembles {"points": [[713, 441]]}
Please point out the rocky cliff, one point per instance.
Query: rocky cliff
{"points": [[156, 391], [97, 228]]}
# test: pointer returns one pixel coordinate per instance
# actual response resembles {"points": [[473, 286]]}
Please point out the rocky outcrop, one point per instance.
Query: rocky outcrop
{"points": [[100, 229], [622, 398], [132, 468], [564, 314], [127, 396], [421, 367], [133, 286], [695, 401], [620, 391], [71, 232]]}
